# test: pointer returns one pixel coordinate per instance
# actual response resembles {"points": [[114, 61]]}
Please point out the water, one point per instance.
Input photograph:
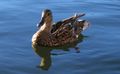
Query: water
{"points": [[99, 50]]}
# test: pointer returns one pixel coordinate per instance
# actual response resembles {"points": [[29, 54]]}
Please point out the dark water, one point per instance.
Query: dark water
{"points": [[99, 51]]}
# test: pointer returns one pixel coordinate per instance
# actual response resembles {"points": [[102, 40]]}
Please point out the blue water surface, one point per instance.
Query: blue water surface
{"points": [[99, 51]]}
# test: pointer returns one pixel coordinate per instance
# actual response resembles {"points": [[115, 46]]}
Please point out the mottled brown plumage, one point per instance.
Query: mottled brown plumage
{"points": [[60, 33]]}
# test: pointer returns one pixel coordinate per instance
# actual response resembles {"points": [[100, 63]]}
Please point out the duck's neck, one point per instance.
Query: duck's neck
{"points": [[46, 27]]}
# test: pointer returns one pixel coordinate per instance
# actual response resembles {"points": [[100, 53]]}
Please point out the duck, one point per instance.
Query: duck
{"points": [[50, 35], [66, 31]]}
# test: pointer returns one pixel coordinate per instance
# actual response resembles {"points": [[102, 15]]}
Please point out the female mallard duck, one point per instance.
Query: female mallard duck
{"points": [[61, 33]]}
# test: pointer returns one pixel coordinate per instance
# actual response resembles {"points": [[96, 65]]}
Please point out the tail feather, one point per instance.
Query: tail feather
{"points": [[86, 24], [83, 24]]}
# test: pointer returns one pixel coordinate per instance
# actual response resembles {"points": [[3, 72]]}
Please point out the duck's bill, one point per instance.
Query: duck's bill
{"points": [[38, 25], [41, 22]]}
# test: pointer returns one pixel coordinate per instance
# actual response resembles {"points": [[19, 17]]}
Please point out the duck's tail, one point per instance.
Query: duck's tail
{"points": [[83, 24], [79, 26]]}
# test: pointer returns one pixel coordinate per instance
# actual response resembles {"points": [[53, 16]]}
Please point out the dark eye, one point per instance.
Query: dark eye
{"points": [[48, 14]]}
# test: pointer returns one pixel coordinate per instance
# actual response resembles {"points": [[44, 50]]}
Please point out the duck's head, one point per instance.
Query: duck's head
{"points": [[46, 18]]}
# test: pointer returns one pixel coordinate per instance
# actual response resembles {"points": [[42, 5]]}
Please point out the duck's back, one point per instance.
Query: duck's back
{"points": [[64, 34]]}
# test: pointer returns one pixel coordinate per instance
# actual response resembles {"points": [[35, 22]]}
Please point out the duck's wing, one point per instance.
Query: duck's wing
{"points": [[64, 34], [66, 21], [73, 18]]}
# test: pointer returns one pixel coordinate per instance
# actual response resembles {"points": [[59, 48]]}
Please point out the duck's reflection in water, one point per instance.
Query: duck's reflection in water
{"points": [[45, 52]]}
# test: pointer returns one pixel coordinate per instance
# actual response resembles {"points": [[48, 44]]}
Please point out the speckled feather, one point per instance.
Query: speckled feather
{"points": [[63, 35], [63, 32]]}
